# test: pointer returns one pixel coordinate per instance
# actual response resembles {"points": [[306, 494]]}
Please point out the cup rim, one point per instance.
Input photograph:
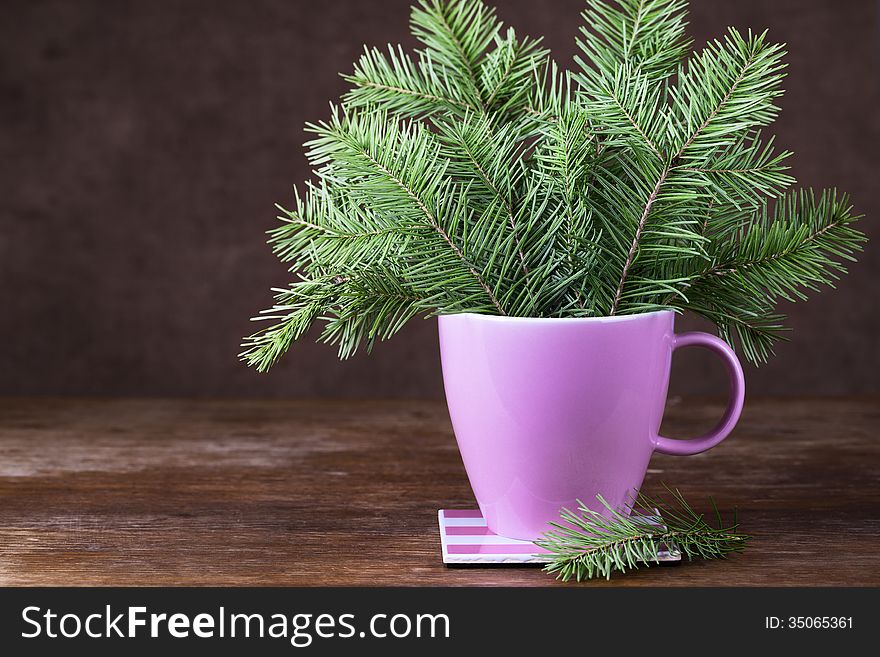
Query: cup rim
{"points": [[556, 320]]}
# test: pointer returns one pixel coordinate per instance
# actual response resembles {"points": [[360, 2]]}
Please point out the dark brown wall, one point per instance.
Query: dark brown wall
{"points": [[144, 144]]}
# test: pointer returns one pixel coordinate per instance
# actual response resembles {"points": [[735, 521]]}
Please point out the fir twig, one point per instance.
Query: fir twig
{"points": [[593, 543]]}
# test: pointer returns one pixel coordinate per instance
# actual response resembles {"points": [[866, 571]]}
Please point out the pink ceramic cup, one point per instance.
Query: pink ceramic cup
{"points": [[549, 411]]}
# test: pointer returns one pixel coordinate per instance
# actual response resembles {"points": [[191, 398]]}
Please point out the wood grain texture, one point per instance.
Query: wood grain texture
{"points": [[156, 492]]}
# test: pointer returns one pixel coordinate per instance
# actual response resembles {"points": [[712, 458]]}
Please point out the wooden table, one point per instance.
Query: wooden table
{"points": [[157, 492]]}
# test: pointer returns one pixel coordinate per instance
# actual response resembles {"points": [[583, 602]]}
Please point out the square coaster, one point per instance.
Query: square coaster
{"points": [[466, 539]]}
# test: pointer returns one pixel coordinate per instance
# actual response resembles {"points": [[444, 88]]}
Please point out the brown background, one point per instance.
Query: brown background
{"points": [[144, 143]]}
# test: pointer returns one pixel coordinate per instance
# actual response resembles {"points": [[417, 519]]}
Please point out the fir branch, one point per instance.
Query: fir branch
{"points": [[393, 167], [373, 305], [331, 231], [626, 109], [396, 83], [645, 34], [726, 90], [781, 252], [799, 246], [457, 34], [566, 158], [509, 73], [475, 176], [495, 157], [746, 173], [592, 543], [630, 256], [294, 312]]}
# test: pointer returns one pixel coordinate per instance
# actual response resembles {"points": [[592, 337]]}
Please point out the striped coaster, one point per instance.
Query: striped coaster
{"points": [[465, 539]]}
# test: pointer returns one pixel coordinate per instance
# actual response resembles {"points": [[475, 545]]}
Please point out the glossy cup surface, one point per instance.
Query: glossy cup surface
{"points": [[549, 411]]}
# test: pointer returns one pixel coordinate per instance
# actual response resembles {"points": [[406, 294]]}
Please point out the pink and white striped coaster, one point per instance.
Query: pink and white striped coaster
{"points": [[465, 539]]}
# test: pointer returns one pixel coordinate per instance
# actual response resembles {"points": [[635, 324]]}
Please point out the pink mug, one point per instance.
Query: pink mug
{"points": [[549, 411]]}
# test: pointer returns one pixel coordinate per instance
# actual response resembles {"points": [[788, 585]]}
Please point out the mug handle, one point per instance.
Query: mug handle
{"points": [[735, 400]]}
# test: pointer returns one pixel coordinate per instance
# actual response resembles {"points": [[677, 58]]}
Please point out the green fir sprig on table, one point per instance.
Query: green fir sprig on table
{"points": [[474, 175], [596, 543]]}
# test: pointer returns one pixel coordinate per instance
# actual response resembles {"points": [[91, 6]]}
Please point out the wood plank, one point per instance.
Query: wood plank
{"points": [[177, 492]]}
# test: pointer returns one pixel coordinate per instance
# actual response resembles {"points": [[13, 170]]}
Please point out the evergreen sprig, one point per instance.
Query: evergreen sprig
{"points": [[592, 543], [474, 175]]}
